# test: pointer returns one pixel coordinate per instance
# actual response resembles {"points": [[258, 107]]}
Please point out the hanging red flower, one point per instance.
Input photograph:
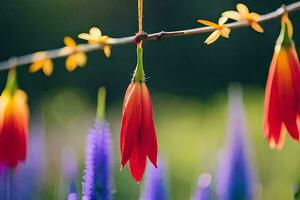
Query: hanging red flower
{"points": [[138, 137], [14, 117], [282, 95]]}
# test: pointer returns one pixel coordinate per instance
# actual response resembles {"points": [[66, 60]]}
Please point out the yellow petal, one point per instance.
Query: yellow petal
{"points": [[80, 59], [107, 51], [208, 23], [103, 39], [232, 15], [213, 37], [272, 143], [20, 108], [254, 16], [225, 32], [257, 27], [92, 41], [71, 63], [34, 67], [69, 42], [222, 20], [95, 32], [242, 9], [48, 67], [84, 36], [4, 100]]}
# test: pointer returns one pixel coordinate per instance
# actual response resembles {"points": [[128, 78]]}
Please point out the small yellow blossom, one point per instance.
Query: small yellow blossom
{"points": [[222, 30], [75, 59], [243, 13], [43, 63], [95, 37]]}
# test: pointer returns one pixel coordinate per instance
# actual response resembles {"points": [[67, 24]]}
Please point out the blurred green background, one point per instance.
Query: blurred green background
{"points": [[187, 79]]}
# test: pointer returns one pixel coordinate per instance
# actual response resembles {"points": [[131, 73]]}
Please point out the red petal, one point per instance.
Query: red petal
{"points": [[149, 141], [122, 133], [128, 90], [287, 97], [130, 123], [137, 162], [13, 137], [295, 67], [272, 120]]}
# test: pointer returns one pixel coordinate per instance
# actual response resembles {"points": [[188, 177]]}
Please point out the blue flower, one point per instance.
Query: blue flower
{"points": [[155, 186], [97, 173], [235, 175], [72, 196], [204, 187]]}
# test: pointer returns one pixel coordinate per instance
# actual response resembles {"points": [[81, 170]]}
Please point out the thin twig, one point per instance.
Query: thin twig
{"points": [[140, 15], [65, 51]]}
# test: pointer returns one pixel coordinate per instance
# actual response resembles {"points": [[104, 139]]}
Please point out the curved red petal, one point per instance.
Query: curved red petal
{"points": [[287, 96], [272, 121], [149, 141], [130, 123], [128, 90], [295, 66], [137, 161], [122, 133], [268, 90], [22, 112]]}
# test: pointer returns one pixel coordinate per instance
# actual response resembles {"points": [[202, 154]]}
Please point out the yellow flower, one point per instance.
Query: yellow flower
{"points": [[43, 63], [222, 29], [95, 37], [75, 59], [243, 13]]}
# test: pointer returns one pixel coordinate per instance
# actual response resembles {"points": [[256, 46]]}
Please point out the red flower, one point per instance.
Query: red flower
{"points": [[138, 138], [282, 97], [14, 116]]}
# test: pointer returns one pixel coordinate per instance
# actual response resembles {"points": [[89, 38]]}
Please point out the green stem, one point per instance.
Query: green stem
{"points": [[139, 71], [11, 83], [284, 38], [101, 104]]}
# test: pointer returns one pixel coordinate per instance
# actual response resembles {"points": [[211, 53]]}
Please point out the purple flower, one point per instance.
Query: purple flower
{"points": [[6, 183], [235, 174], [72, 196], [97, 173], [155, 186], [204, 187]]}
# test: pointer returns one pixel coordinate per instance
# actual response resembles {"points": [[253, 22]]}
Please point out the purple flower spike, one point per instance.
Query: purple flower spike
{"points": [[97, 173], [204, 187], [155, 186], [235, 174]]}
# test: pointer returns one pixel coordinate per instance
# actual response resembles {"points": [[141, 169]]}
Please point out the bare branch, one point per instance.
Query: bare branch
{"points": [[65, 51]]}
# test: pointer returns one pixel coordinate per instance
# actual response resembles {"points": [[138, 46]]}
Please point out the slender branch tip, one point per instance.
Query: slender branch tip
{"points": [[141, 36]]}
